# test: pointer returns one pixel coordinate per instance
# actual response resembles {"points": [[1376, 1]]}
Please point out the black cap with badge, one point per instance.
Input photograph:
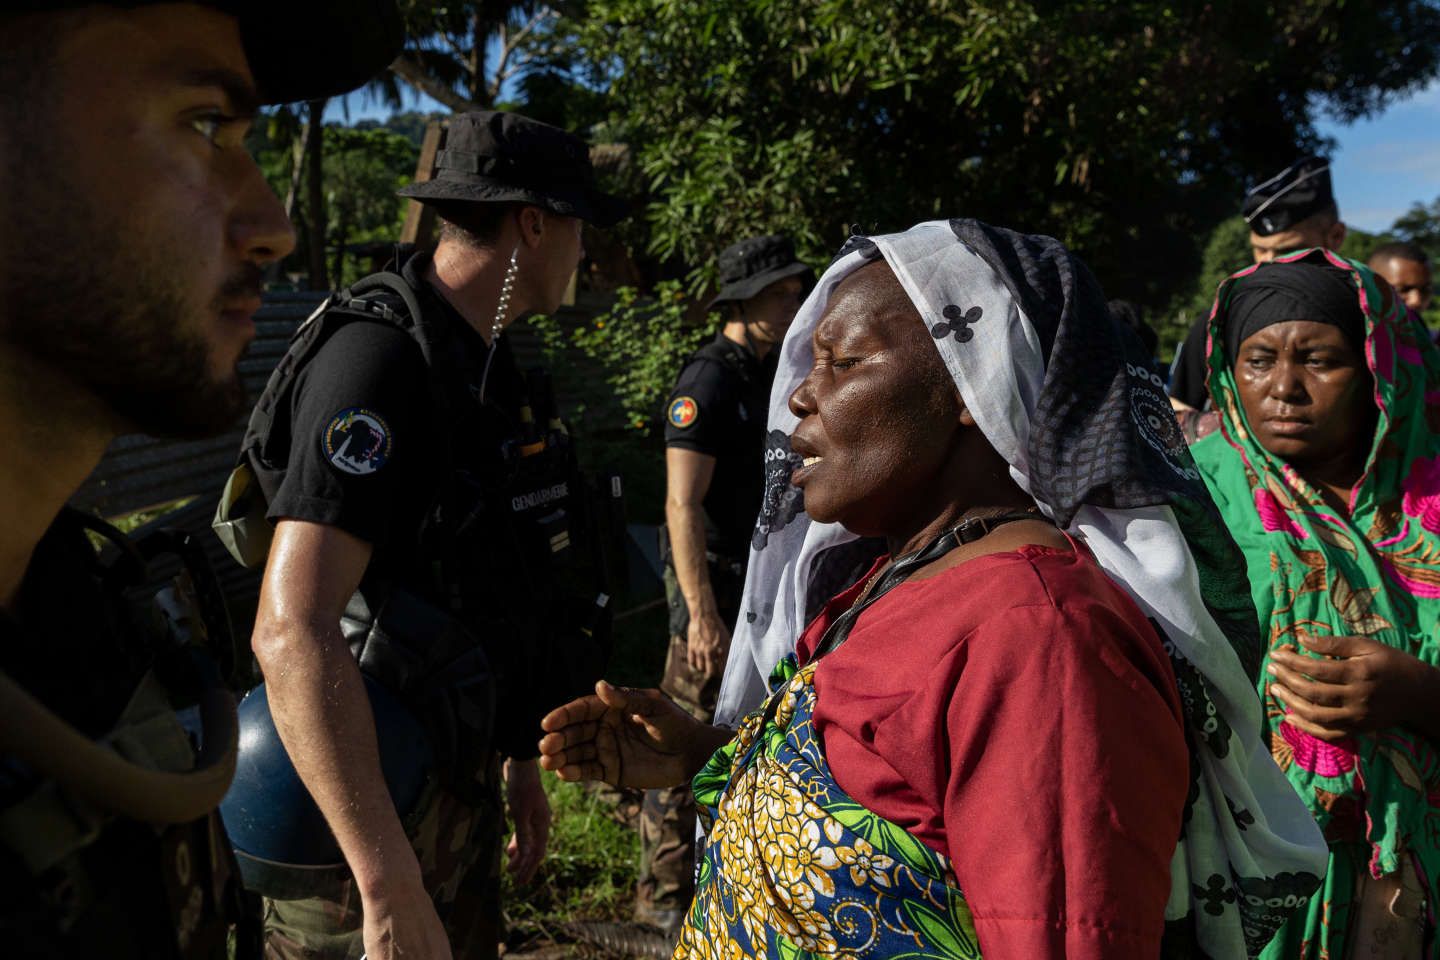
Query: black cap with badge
{"points": [[493, 157], [1294, 194], [297, 49], [751, 265]]}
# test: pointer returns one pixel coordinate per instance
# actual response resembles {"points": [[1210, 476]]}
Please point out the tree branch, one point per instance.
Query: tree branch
{"points": [[297, 165], [462, 56], [409, 69], [541, 15], [504, 69]]}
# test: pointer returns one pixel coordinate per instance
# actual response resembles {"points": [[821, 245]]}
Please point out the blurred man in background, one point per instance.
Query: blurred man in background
{"points": [[1407, 268]]}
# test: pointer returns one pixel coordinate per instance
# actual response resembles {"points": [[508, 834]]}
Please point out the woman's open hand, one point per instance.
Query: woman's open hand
{"points": [[627, 738], [1361, 684]]}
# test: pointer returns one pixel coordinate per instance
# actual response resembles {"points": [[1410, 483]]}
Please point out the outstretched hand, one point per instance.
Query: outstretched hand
{"points": [[626, 738]]}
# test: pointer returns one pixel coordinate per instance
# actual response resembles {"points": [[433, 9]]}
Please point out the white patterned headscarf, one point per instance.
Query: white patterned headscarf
{"points": [[1068, 399]]}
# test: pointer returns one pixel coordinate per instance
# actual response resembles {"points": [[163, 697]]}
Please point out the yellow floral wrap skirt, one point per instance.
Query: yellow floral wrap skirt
{"points": [[795, 868]]}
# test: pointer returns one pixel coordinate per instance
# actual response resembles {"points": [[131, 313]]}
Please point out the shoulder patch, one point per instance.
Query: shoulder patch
{"points": [[683, 411], [357, 441]]}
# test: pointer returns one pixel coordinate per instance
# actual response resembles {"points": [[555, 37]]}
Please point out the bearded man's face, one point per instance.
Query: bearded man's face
{"points": [[130, 265]]}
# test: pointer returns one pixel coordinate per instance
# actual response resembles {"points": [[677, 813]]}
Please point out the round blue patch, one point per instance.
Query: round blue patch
{"points": [[357, 441]]}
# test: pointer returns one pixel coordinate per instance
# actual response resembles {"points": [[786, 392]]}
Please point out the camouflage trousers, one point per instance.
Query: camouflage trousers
{"points": [[667, 819], [459, 846]]}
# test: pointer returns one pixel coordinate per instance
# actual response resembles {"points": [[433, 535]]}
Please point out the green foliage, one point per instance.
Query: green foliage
{"points": [[363, 169], [590, 869], [1126, 130], [1420, 225], [466, 54], [640, 344], [271, 142], [1359, 244], [410, 124], [1226, 250], [549, 95]]}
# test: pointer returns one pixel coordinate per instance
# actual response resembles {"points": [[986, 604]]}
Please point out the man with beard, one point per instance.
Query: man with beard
{"points": [[136, 230], [714, 474]]}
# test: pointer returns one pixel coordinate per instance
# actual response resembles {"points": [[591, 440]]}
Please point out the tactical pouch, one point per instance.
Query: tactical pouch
{"points": [[570, 543], [439, 671], [240, 520]]}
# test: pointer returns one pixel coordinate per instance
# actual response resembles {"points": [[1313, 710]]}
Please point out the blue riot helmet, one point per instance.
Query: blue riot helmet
{"points": [[282, 843]]}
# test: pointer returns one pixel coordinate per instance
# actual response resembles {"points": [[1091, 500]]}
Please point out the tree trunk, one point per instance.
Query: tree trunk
{"points": [[409, 69], [297, 166], [337, 266], [315, 193], [479, 35]]}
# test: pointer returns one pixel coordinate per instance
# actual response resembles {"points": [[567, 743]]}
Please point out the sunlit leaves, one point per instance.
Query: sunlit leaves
{"points": [[1127, 130]]}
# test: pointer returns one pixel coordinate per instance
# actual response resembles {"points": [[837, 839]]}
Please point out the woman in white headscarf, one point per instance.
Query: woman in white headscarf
{"points": [[993, 739]]}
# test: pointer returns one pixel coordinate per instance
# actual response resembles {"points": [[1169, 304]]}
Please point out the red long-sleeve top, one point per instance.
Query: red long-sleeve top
{"points": [[1018, 714]]}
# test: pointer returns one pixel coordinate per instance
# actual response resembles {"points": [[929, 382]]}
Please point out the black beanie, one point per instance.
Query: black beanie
{"points": [[1294, 290]]}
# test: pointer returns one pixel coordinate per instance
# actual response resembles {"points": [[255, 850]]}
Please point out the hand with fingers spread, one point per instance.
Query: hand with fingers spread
{"points": [[627, 738], [1356, 685]]}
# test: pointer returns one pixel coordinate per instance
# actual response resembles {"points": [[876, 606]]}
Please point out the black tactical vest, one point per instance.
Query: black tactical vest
{"points": [[75, 879], [504, 610]]}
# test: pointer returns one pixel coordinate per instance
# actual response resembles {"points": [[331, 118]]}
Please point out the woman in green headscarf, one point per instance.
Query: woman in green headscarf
{"points": [[1327, 470]]}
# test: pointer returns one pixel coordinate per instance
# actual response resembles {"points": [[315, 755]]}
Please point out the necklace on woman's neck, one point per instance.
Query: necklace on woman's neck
{"points": [[870, 582], [966, 530]]}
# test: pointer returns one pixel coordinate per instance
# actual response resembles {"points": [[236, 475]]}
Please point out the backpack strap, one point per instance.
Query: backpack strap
{"points": [[731, 357], [727, 354], [360, 298], [384, 297]]}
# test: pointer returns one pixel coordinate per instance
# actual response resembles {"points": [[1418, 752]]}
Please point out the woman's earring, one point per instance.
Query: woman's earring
{"points": [[505, 288]]}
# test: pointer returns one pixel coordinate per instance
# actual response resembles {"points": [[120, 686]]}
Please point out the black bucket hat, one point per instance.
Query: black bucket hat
{"points": [[494, 157], [297, 49], [751, 265]]}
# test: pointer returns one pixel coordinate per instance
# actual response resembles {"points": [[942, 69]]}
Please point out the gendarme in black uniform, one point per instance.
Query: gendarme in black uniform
{"points": [[431, 466], [359, 442], [719, 407], [483, 604], [1284, 202]]}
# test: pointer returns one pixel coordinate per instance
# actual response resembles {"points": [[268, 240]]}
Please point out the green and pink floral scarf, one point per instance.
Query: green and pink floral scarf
{"points": [[1373, 573]]}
